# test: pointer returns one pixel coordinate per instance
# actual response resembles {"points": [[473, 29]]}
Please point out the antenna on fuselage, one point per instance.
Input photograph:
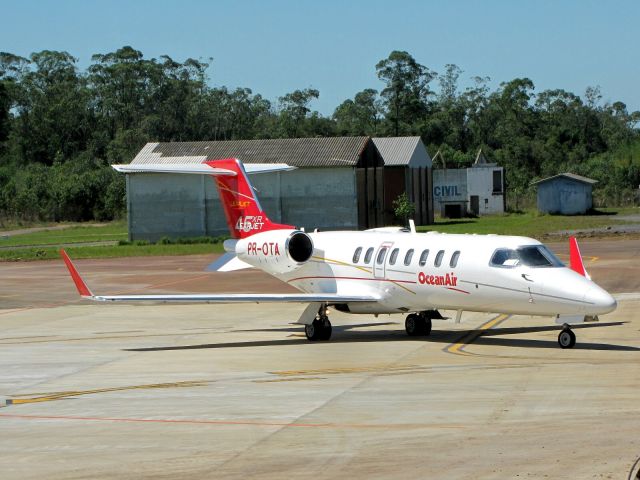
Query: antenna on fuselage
{"points": [[412, 225]]}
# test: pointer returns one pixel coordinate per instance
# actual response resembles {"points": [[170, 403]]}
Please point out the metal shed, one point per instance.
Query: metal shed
{"points": [[566, 194], [339, 184], [407, 168]]}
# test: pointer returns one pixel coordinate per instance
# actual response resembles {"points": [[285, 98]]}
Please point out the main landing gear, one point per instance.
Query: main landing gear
{"points": [[320, 328], [418, 324], [566, 337]]}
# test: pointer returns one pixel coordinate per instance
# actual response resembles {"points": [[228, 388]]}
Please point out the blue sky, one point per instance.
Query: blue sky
{"points": [[276, 46]]}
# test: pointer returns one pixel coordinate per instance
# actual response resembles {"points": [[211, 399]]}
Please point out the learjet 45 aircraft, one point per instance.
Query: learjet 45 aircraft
{"points": [[383, 270]]}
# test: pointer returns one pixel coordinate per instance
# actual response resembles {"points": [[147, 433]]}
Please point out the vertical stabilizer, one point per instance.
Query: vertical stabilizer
{"points": [[242, 208]]}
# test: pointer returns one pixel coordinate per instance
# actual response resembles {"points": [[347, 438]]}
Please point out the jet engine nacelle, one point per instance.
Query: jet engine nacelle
{"points": [[277, 251]]}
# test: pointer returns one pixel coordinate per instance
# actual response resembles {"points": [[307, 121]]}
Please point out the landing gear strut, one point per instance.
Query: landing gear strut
{"points": [[566, 337], [418, 324], [320, 328]]}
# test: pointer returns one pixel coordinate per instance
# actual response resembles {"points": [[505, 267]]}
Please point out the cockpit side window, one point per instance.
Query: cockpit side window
{"points": [[505, 258], [530, 255], [538, 256]]}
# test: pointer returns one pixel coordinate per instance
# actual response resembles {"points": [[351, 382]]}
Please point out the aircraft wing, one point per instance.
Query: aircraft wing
{"points": [[85, 292]]}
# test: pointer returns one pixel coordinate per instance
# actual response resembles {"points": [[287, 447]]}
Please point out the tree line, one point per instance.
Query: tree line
{"points": [[61, 128]]}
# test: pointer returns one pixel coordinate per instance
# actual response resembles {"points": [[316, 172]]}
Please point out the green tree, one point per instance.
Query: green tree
{"points": [[403, 209], [406, 90], [294, 108], [360, 116]]}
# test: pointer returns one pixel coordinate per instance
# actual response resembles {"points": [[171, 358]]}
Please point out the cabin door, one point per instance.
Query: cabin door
{"points": [[380, 260]]}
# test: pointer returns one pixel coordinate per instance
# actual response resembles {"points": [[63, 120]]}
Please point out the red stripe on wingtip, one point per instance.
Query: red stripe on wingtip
{"points": [[75, 276], [575, 258]]}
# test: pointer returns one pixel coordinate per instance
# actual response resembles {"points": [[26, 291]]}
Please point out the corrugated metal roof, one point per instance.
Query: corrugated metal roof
{"points": [[402, 150], [297, 152], [572, 176]]}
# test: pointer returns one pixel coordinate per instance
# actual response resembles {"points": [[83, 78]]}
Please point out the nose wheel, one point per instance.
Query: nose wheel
{"points": [[566, 338], [320, 328]]}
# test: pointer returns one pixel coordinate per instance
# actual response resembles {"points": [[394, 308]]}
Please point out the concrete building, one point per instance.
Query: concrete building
{"points": [[340, 183], [566, 194], [478, 190]]}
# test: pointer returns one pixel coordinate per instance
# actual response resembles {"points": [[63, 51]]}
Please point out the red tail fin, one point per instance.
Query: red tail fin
{"points": [[242, 209], [575, 258]]}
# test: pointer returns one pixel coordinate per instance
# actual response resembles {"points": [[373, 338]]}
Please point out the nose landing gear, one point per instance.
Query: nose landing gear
{"points": [[566, 337], [320, 328]]}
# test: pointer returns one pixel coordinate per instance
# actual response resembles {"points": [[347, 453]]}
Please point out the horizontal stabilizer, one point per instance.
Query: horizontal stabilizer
{"points": [[228, 262], [200, 168]]}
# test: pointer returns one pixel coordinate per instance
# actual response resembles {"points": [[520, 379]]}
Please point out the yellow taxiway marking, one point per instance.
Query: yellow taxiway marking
{"points": [[347, 370], [457, 348], [293, 379], [49, 397], [239, 422]]}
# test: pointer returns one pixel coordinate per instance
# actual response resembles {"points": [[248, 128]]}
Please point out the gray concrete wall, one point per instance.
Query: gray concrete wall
{"points": [[564, 196], [449, 185], [176, 205], [165, 205], [480, 183], [322, 198]]}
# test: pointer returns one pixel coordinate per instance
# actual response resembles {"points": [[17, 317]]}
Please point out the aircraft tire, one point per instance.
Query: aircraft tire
{"points": [[566, 338], [413, 325], [313, 331], [426, 328], [325, 330]]}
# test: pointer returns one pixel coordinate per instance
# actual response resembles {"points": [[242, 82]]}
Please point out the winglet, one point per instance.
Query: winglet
{"points": [[575, 258], [83, 290]]}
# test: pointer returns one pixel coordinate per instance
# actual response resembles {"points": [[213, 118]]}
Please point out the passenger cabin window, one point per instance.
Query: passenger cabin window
{"points": [[423, 258], [454, 259], [381, 255], [438, 260], [368, 255], [530, 256], [394, 256], [356, 255], [408, 257]]}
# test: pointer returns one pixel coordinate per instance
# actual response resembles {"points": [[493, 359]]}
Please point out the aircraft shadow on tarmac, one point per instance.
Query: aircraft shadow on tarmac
{"points": [[349, 334]]}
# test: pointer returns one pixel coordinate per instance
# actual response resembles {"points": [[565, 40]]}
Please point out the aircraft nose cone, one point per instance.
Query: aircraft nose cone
{"points": [[601, 301]]}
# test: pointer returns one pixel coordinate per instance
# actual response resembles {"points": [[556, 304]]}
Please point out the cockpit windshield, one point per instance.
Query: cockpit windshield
{"points": [[529, 255]]}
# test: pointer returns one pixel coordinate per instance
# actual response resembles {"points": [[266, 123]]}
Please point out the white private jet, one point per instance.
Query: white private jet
{"points": [[383, 270]]}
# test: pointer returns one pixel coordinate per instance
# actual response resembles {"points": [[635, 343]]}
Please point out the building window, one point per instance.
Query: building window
{"points": [[454, 259], [393, 256], [368, 255], [423, 257], [408, 257], [438, 260], [497, 181], [356, 255]]}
